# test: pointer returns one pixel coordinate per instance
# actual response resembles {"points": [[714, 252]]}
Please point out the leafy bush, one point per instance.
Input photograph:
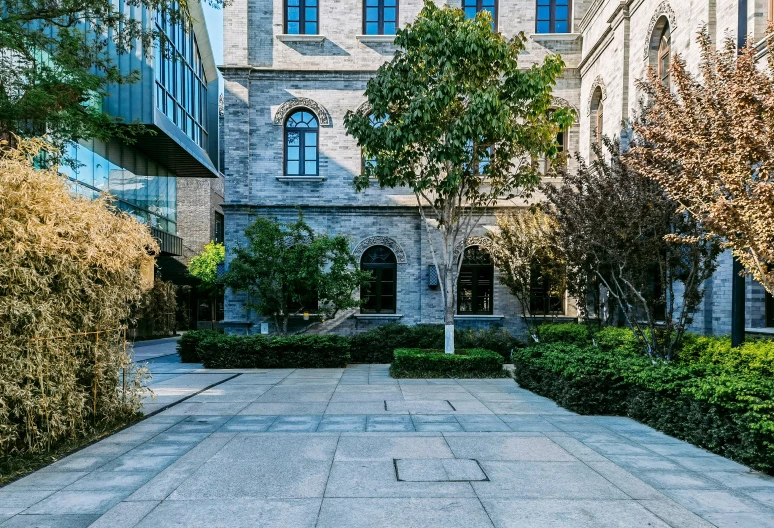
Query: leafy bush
{"points": [[377, 345], [186, 345], [69, 272], [257, 351], [424, 363], [564, 333], [726, 411], [753, 357]]}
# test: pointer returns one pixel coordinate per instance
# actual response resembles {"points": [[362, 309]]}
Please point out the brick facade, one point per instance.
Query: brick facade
{"points": [[608, 49]]}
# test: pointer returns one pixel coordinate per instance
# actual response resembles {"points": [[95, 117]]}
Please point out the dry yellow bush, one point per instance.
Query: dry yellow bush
{"points": [[69, 272]]}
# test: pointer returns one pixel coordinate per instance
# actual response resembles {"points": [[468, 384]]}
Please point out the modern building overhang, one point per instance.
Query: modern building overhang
{"points": [[168, 146]]}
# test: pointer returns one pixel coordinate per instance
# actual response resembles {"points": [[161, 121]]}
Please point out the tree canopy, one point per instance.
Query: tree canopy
{"points": [[204, 266], [454, 119], [287, 269], [708, 140]]}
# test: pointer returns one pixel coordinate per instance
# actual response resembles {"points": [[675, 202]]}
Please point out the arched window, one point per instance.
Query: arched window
{"points": [[380, 17], [301, 134], [301, 17], [597, 120], [379, 292], [475, 282], [369, 159], [553, 16], [472, 7], [660, 49], [561, 147]]}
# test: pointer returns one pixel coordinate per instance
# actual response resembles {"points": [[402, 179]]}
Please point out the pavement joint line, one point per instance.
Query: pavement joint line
{"points": [[208, 387], [327, 480], [450, 405]]}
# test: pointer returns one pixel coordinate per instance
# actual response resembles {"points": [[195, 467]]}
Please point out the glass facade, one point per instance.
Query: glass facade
{"points": [[181, 87], [141, 187]]}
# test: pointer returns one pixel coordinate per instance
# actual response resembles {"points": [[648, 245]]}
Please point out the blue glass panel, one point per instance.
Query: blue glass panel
{"points": [[561, 13], [293, 167], [372, 3], [543, 13], [372, 28], [389, 14], [311, 14], [372, 14], [310, 153], [310, 3], [389, 3], [561, 26], [310, 28], [293, 28], [293, 139], [293, 153], [470, 12], [310, 168], [488, 4], [293, 3], [389, 28], [293, 13], [310, 139], [543, 27]]}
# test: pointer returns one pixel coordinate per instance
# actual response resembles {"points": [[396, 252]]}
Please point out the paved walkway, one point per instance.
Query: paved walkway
{"points": [[342, 448]]}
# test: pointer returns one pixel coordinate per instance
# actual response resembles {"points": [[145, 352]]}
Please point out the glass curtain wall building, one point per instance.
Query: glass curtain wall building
{"points": [[177, 101]]}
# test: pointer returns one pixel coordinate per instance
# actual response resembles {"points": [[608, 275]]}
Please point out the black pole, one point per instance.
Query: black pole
{"points": [[737, 305]]}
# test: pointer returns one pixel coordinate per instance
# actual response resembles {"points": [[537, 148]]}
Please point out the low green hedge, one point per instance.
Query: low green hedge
{"points": [[727, 411], [563, 333], [377, 345], [424, 363], [186, 345], [257, 351]]}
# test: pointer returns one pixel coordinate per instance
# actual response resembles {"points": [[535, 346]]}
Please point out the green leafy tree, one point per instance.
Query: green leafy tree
{"points": [[204, 267], [58, 58], [454, 119], [288, 269]]}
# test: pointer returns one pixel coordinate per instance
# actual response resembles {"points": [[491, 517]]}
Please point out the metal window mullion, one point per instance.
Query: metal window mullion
{"points": [[552, 16]]}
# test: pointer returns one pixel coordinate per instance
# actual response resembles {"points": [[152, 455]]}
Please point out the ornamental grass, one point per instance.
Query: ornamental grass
{"points": [[69, 274]]}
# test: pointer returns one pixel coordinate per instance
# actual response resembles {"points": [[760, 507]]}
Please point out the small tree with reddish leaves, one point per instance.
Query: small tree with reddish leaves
{"points": [[708, 141]]}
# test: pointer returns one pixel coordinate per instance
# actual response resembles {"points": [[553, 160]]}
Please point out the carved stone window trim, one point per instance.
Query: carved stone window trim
{"points": [[480, 241], [599, 82], [289, 106], [663, 10], [380, 240]]}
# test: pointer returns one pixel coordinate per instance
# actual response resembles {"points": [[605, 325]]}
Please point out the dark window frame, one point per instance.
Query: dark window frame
{"points": [[302, 7], [479, 5], [301, 144], [380, 21], [552, 20], [377, 269], [478, 270], [540, 293]]}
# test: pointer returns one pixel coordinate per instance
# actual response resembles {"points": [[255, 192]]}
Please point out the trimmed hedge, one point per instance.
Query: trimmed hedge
{"points": [[727, 411], [377, 345], [563, 333], [186, 345], [424, 363], [257, 351]]}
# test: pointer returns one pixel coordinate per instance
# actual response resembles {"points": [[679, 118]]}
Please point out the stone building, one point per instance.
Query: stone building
{"points": [[293, 68]]}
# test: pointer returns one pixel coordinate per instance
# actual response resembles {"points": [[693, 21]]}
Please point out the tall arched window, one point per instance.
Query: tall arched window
{"points": [[660, 49], [379, 293], [366, 158], [380, 17], [597, 120], [301, 139], [301, 17], [475, 282], [472, 7]]}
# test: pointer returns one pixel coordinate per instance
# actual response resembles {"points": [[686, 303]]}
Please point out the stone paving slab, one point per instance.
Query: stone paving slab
{"points": [[326, 448]]}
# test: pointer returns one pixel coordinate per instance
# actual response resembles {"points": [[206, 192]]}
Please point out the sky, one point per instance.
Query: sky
{"points": [[214, 19]]}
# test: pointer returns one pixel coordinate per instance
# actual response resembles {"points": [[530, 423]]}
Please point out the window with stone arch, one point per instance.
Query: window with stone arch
{"points": [[301, 144], [475, 284], [368, 159], [379, 294], [597, 119], [661, 49]]}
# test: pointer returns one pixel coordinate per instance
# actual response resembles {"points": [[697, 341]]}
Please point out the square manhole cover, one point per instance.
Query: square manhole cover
{"points": [[438, 470]]}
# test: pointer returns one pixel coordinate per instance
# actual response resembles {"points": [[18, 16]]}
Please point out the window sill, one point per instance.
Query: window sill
{"points": [[555, 36], [766, 330], [300, 179], [300, 38], [472, 317], [376, 38], [377, 316]]}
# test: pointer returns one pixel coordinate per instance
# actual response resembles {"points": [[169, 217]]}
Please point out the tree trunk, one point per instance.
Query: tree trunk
{"points": [[448, 312]]}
